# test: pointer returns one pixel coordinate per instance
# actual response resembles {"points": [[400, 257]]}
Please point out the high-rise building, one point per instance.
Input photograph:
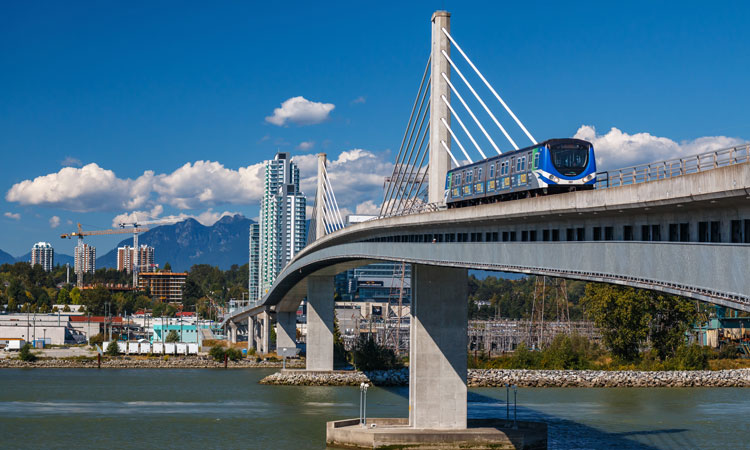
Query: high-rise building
{"points": [[282, 219], [126, 258], [43, 254], [84, 258], [254, 268], [164, 286]]}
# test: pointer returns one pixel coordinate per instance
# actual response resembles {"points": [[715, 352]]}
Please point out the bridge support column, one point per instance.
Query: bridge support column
{"points": [[250, 334], [437, 360], [286, 329], [265, 337], [232, 332], [320, 310]]}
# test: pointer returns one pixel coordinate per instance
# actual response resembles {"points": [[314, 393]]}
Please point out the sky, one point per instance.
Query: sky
{"points": [[167, 109]]}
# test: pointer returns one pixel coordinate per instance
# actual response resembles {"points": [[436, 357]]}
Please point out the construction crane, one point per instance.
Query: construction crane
{"points": [[136, 230], [80, 234]]}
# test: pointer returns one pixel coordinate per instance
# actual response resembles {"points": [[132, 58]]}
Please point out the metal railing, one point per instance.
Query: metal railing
{"points": [[674, 167]]}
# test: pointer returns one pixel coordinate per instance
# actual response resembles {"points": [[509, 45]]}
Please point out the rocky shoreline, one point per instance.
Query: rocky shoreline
{"points": [[526, 378], [124, 362]]}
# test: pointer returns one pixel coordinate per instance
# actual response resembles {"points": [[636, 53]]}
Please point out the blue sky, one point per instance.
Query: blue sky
{"points": [[143, 88]]}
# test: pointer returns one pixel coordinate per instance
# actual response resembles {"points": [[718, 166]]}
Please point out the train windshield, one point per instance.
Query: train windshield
{"points": [[570, 158]]}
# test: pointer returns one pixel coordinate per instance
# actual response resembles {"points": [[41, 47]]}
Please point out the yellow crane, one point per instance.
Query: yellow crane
{"points": [[80, 235]]}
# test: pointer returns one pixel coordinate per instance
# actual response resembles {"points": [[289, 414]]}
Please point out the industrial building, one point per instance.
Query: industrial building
{"points": [[126, 258], [164, 286], [43, 254]]}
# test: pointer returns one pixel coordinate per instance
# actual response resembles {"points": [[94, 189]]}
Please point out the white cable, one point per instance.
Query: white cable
{"points": [[460, 122], [456, 139], [455, 44], [458, 71], [333, 223], [333, 196], [471, 113], [449, 152]]}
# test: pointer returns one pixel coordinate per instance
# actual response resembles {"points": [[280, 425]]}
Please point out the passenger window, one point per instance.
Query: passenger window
{"points": [[492, 170], [536, 160], [479, 174]]}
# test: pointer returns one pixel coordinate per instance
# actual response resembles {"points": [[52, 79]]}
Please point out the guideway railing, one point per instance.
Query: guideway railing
{"points": [[674, 167]]}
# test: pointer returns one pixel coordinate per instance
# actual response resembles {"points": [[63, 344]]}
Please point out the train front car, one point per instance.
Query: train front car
{"points": [[566, 165]]}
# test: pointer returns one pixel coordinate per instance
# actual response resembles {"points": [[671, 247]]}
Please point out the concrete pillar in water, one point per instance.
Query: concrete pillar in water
{"points": [[320, 310], [286, 329], [437, 360], [265, 338], [440, 161], [232, 332]]}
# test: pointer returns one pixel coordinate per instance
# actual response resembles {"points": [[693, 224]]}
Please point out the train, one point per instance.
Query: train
{"points": [[551, 167]]}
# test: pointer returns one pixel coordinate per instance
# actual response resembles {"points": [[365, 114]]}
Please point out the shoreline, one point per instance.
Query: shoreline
{"points": [[124, 362], [526, 378]]}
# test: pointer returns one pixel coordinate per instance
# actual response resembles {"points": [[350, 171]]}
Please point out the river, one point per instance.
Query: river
{"points": [[204, 408]]}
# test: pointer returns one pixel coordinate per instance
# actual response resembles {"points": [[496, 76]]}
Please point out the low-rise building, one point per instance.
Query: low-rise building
{"points": [[164, 286]]}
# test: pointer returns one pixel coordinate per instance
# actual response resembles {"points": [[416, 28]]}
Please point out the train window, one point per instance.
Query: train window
{"points": [[512, 163], [609, 233], [555, 235], [702, 231], [469, 176], [545, 235], [581, 234], [536, 160], [518, 164], [457, 178], [479, 174], [627, 233], [505, 236], [597, 233], [513, 236], [532, 235], [570, 234], [645, 233], [492, 170], [736, 231]]}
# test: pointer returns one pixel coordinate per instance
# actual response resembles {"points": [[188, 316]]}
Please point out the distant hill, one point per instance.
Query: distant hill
{"points": [[188, 242], [6, 258]]}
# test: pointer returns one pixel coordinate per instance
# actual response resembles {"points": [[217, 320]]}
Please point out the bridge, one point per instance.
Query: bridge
{"points": [[679, 227]]}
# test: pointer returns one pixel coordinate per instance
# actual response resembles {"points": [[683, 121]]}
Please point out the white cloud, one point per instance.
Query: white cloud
{"points": [[71, 161], [90, 188], [368, 207], [306, 145], [356, 176], [14, 216], [617, 149], [207, 218], [359, 100], [301, 111], [54, 222]]}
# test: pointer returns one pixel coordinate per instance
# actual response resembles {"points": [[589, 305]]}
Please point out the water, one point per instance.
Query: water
{"points": [[201, 408]]}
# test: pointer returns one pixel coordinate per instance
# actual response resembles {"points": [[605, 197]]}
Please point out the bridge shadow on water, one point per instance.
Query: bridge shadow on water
{"points": [[565, 433]]}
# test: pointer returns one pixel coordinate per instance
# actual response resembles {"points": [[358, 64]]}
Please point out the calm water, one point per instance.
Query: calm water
{"points": [[69, 408]]}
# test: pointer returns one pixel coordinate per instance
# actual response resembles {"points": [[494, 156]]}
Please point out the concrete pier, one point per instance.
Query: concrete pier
{"points": [[250, 333], [265, 345], [320, 310], [437, 360], [286, 329]]}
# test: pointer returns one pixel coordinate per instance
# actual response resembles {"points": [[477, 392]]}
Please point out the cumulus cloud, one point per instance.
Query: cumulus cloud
{"points": [[306, 145], [54, 222], [301, 111], [14, 216], [71, 161], [368, 207], [617, 149], [85, 189], [359, 100], [356, 176]]}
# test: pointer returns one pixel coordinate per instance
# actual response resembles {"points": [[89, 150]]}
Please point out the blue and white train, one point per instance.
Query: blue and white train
{"points": [[551, 167]]}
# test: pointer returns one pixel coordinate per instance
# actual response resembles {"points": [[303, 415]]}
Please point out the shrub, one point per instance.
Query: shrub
{"points": [[369, 355], [524, 358], [112, 349], [25, 354], [251, 352], [728, 351], [172, 336], [217, 352], [234, 353], [690, 357]]}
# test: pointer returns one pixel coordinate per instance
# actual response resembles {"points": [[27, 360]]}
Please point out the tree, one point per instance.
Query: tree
{"points": [[95, 299], [621, 314], [172, 336], [217, 352], [369, 355], [75, 296], [112, 349], [63, 297], [167, 267], [671, 316], [25, 353], [339, 351]]}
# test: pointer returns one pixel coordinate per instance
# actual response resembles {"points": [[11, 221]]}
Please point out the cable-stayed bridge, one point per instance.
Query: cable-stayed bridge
{"points": [[680, 226]]}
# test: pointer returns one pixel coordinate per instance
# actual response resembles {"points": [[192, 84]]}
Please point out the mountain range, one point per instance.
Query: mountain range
{"points": [[182, 244]]}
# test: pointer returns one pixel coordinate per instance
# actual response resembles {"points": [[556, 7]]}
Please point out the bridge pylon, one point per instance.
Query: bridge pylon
{"points": [[439, 161]]}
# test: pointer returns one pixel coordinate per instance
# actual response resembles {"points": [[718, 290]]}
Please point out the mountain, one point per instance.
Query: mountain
{"points": [[188, 242], [6, 258], [60, 258]]}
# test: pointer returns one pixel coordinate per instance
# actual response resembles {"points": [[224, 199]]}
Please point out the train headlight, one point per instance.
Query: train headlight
{"points": [[554, 179], [589, 177]]}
